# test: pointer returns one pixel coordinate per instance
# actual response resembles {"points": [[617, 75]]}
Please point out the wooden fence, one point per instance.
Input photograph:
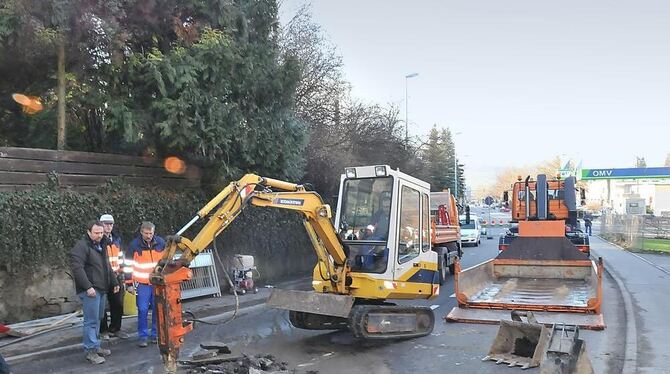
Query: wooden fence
{"points": [[23, 168]]}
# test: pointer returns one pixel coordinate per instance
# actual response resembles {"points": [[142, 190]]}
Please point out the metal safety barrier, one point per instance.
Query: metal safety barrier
{"points": [[205, 280]]}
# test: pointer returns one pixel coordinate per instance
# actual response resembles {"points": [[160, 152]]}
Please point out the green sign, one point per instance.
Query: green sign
{"points": [[628, 173]]}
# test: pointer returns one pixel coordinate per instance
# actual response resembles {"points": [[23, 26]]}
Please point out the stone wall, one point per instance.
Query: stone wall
{"points": [[43, 293]]}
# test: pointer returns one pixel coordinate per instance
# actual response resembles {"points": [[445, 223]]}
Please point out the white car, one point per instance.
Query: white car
{"points": [[471, 233]]}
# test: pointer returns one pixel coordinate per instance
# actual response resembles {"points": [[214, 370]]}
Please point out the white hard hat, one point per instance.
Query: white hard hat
{"points": [[106, 218]]}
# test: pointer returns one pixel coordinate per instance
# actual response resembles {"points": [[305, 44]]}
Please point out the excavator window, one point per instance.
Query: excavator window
{"points": [[410, 216], [425, 224], [364, 223]]}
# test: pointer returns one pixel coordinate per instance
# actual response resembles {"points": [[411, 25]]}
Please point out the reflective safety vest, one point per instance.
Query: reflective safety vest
{"points": [[144, 264], [128, 266], [145, 257], [118, 261], [115, 256]]}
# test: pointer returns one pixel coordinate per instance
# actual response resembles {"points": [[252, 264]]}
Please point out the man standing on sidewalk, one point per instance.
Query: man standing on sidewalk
{"points": [[112, 243], [146, 250], [92, 277], [588, 223]]}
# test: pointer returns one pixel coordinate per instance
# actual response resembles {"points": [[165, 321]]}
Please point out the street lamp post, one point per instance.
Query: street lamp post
{"points": [[407, 77]]}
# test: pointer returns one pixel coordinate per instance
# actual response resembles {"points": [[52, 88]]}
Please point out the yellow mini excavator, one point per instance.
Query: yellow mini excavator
{"points": [[379, 248]]}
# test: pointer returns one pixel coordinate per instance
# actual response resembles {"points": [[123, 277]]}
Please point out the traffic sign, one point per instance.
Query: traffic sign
{"points": [[488, 200]]}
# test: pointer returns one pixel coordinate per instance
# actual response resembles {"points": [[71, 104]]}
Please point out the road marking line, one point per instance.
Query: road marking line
{"points": [[453, 295]]}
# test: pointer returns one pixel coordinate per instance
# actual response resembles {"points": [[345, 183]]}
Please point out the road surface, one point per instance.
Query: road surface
{"points": [[456, 348]]}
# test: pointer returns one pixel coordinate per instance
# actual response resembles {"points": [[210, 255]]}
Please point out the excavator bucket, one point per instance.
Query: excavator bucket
{"points": [[519, 343], [566, 353]]}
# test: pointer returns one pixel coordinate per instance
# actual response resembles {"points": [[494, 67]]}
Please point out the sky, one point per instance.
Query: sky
{"points": [[522, 81]]}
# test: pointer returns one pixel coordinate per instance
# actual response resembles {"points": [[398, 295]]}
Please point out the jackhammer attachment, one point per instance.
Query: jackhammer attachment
{"points": [[171, 325], [566, 353], [519, 343]]}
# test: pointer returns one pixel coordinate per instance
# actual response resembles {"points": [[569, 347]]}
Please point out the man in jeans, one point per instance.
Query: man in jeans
{"points": [[93, 276]]}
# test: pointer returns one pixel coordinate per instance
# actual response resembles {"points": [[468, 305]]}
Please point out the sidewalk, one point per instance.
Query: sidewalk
{"points": [[648, 287], [68, 340]]}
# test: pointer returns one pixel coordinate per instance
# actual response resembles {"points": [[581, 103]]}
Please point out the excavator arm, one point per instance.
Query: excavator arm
{"points": [[227, 205]]}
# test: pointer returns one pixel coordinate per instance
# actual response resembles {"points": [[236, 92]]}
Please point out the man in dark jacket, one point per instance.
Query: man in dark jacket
{"points": [[93, 276]]}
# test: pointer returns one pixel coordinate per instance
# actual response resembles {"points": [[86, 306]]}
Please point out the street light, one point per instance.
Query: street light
{"points": [[407, 77]]}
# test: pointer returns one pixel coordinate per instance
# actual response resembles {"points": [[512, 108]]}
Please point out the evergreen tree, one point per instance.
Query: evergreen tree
{"points": [[435, 159], [449, 150], [461, 181], [42, 40], [202, 79], [640, 162]]}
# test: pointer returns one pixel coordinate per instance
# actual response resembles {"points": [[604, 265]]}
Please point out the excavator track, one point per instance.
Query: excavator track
{"points": [[382, 322], [312, 321], [372, 322]]}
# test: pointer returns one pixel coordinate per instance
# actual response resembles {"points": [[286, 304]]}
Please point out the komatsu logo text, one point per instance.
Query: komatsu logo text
{"points": [[295, 202]]}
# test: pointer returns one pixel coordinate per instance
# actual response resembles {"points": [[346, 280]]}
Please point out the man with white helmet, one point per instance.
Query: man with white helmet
{"points": [[112, 242]]}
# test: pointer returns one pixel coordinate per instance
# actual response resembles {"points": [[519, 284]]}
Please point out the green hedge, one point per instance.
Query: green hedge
{"points": [[41, 225]]}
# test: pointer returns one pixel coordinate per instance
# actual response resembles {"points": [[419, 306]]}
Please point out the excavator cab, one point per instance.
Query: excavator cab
{"points": [[383, 219]]}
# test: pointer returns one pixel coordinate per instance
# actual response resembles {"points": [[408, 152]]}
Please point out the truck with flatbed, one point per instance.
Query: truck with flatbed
{"points": [[445, 232], [554, 198], [541, 270]]}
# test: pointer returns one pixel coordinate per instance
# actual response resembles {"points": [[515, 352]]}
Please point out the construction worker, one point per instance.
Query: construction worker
{"points": [[380, 218], [93, 277], [116, 261], [146, 252]]}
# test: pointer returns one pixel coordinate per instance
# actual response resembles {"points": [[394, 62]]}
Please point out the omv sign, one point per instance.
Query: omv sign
{"points": [[602, 173], [628, 173]]}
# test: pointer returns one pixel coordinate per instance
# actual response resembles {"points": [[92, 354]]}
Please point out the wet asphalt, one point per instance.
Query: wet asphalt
{"points": [[452, 347]]}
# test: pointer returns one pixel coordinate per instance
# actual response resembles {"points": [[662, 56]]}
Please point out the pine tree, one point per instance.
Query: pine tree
{"points": [[435, 159], [449, 151]]}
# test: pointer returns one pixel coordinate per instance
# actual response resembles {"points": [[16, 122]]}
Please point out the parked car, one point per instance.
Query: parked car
{"points": [[471, 232]]}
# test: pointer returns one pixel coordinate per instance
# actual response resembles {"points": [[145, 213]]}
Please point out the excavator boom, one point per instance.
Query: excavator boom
{"points": [[227, 205]]}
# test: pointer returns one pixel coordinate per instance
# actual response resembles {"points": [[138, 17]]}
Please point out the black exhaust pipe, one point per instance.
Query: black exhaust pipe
{"points": [[527, 191], [541, 196]]}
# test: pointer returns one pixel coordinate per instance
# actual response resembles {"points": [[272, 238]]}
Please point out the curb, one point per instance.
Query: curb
{"points": [[630, 353], [206, 314]]}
